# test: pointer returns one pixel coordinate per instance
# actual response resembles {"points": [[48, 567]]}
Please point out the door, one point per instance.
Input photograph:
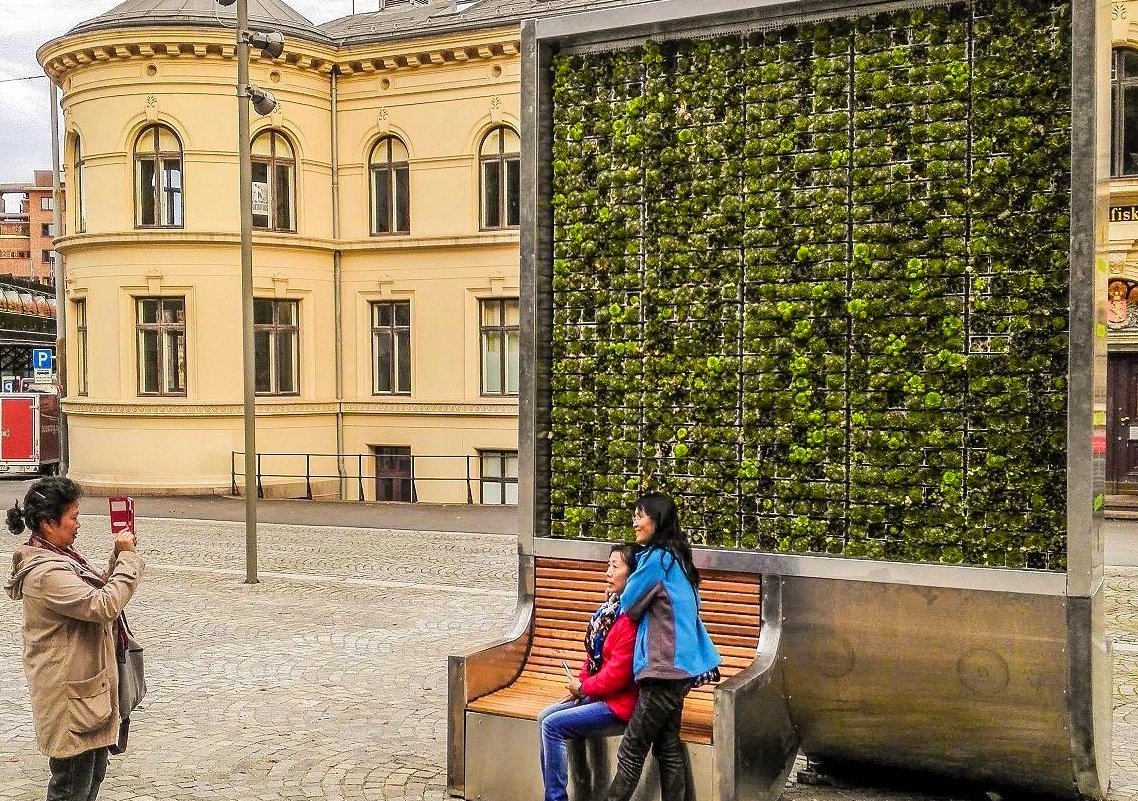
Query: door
{"points": [[16, 440], [1122, 422], [394, 473]]}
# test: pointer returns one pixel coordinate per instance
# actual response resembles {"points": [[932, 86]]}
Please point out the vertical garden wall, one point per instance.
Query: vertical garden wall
{"points": [[813, 282]]}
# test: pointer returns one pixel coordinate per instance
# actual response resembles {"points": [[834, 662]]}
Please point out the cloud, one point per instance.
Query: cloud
{"points": [[26, 142]]}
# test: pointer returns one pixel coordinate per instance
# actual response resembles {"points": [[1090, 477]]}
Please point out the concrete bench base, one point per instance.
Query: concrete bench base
{"points": [[502, 764]]}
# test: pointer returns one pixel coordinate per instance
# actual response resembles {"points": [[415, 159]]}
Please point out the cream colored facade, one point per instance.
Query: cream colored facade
{"points": [[440, 97]]}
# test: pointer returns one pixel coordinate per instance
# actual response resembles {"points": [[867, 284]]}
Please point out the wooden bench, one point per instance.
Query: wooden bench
{"points": [[568, 591]]}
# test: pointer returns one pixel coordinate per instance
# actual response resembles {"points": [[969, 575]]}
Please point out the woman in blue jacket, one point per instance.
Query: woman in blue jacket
{"points": [[673, 653]]}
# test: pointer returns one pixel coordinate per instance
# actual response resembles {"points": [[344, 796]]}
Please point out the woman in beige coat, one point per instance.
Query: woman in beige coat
{"points": [[69, 636]]}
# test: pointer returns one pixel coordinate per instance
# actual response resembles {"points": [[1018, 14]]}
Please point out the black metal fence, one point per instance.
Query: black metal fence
{"points": [[366, 476]]}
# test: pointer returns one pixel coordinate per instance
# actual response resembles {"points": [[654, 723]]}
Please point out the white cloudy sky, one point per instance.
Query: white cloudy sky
{"points": [[25, 136]]}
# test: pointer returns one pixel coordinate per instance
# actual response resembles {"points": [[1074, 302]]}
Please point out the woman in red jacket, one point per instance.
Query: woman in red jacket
{"points": [[604, 693]]}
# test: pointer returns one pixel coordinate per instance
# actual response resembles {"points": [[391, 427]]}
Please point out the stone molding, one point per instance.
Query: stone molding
{"points": [[285, 409], [455, 409], [196, 44]]}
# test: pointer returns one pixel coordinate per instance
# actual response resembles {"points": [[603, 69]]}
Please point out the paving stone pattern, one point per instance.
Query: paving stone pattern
{"points": [[328, 679]]}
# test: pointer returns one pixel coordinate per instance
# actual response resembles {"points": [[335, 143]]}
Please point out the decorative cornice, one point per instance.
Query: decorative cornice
{"points": [[188, 408], [422, 54], [62, 56], [166, 238], [81, 53], [448, 409], [277, 408]]}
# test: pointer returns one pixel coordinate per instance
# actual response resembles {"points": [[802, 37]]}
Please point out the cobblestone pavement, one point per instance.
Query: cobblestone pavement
{"points": [[328, 679]]}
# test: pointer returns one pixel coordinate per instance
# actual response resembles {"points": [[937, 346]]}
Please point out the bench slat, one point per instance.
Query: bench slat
{"points": [[568, 592]]}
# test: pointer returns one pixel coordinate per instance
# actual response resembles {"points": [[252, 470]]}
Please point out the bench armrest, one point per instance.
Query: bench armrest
{"points": [[483, 670], [754, 738]]}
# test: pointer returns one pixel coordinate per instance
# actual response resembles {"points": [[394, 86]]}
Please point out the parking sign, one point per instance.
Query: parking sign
{"points": [[41, 359]]}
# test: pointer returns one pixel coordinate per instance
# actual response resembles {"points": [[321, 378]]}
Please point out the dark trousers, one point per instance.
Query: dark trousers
{"points": [[77, 778], [655, 726]]}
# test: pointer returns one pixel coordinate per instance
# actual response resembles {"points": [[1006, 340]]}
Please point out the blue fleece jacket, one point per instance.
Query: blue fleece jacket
{"points": [[671, 640]]}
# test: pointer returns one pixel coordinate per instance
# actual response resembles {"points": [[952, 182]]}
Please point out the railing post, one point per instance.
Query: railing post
{"points": [[414, 490], [469, 491], [260, 487], [360, 474], [308, 476]]}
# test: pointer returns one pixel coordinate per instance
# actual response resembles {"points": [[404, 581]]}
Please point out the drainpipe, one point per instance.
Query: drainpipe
{"points": [[57, 264], [337, 290]]}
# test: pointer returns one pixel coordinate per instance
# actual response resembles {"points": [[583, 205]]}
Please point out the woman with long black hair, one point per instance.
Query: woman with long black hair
{"points": [[673, 653]]}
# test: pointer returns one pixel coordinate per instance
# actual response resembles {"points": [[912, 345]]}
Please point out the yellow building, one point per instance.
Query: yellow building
{"points": [[385, 248], [1122, 305]]}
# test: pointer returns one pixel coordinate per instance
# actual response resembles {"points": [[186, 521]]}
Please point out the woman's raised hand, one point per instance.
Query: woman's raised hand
{"points": [[125, 541]]}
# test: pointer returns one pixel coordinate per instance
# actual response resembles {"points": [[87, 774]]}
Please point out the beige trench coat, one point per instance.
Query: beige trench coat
{"points": [[69, 647]]}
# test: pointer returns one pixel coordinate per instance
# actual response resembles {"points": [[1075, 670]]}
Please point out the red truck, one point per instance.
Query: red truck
{"points": [[29, 433]]}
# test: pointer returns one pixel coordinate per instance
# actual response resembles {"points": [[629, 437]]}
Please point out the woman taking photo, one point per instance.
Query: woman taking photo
{"points": [[604, 692], [674, 652], [70, 608]]}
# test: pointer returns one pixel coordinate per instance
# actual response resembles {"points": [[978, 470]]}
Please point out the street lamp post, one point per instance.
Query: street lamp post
{"points": [[264, 103]]}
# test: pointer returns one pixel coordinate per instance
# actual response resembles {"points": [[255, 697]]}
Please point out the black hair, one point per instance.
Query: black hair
{"points": [[627, 552], [668, 534], [46, 500]]}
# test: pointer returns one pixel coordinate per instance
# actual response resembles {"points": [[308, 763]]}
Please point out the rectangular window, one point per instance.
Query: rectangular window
{"points": [[513, 191], [172, 192], [391, 348], [46, 229], [81, 347], [499, 482], [501, 338], [261, 216], [491, 194], [46, 203], [276, 340], [394, 473], [161, 346], [147, 176], [45, 256]]}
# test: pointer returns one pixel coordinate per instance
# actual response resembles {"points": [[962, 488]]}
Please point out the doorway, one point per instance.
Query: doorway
{"points": [[1122, 423], [394, 473]]}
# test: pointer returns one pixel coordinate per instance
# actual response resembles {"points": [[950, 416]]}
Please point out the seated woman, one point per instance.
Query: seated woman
{"points": [[604, 693]]}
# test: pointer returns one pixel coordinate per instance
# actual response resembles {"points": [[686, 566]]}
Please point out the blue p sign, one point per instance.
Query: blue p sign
{"points": [[41, 358]]}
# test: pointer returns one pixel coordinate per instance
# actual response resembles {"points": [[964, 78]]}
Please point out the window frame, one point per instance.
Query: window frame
{"points": [[79, 309], [272, 163], [503, 331], [391, 331], [501, 159], [503, 480], [168, 202], [78, 167], [275, 330], [389, 171], [162, 329]]}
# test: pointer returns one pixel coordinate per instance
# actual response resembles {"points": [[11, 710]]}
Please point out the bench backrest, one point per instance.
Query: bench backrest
{"points": [[568, 591]]}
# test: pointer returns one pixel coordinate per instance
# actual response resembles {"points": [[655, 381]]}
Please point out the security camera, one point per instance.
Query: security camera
{"points": [[264, 103], [271, 42]]}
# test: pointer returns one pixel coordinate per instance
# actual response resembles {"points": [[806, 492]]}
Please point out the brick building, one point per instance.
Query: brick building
{"points": [[26, 232]]}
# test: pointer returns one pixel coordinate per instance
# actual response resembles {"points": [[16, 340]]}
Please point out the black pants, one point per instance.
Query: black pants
{"points": [[77, 778], [655, 726]]}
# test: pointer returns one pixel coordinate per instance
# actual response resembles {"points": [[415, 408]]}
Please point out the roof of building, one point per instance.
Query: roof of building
{"points": [[399, 19], [403, 19], [274, 14]]}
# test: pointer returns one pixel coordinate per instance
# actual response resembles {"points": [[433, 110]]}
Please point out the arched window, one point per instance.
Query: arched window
{"points": [[390, 192], [500, 159], [274, 176], [158, 178], [1124, 112], [77, 168]]}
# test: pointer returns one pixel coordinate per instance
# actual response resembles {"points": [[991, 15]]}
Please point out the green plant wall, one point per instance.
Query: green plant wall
{"points": [[812, 281]]}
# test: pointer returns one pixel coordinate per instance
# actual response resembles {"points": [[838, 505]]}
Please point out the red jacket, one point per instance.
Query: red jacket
{"points": [[613, 683]]}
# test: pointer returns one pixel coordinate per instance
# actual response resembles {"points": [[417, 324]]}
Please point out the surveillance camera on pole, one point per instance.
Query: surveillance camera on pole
{"points": [[264, 102], [271, 42]]}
